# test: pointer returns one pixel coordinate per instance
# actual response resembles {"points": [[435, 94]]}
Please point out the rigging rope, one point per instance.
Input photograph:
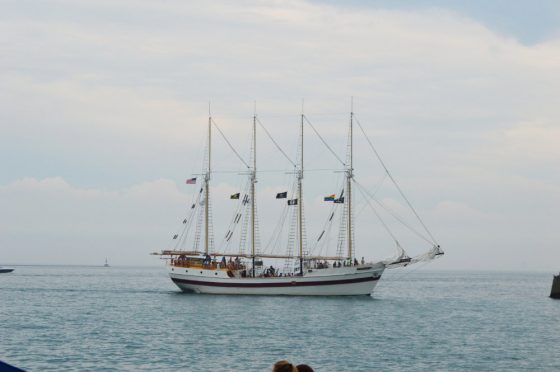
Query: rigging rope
{"points": [[395, 182], [326, 229], [275, 240], [229, 144], [393, 214], [407, 272], [234, 222], [275, 143], [377, 214], [324, 142]]}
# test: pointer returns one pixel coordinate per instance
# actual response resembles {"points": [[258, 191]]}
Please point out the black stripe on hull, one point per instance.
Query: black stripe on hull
{"points": [[276, 285]]}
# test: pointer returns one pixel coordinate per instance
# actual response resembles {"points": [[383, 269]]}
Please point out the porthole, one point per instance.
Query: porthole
{"points": [[215, 273]]}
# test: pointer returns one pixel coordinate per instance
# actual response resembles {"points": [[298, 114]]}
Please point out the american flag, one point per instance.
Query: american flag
{"points": [[191, 181]]}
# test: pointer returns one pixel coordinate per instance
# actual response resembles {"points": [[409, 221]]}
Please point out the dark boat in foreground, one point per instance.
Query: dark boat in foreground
{"points": [[4, 270]]}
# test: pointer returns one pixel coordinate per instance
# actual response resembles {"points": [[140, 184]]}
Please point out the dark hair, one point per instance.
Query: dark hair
{"points": [[304, 368], [284, 366]]}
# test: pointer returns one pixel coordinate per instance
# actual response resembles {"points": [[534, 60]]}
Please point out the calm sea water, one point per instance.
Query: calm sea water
{"points": [[93, 318]]}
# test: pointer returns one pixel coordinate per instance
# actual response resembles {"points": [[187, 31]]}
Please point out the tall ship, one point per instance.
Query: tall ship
{"points": [[289, 264]]}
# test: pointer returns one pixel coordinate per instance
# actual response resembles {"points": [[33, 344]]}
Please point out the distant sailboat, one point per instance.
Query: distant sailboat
{"points": [[306, 271], [106, 263]]}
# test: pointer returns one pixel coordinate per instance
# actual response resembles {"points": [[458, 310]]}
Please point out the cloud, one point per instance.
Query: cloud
{"points": [[106, 95], [87, 224], [535, 141], [459, 211]]}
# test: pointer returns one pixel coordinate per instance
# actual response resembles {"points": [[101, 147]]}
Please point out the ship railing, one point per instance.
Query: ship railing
{"points": [[208, 266], [176, 253]]}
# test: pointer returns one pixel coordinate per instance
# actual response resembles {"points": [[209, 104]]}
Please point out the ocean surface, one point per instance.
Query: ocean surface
{"points": [[70, 318]]}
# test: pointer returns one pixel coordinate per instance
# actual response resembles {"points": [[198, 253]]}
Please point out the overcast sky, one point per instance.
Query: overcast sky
{"points": [[104, 105]]}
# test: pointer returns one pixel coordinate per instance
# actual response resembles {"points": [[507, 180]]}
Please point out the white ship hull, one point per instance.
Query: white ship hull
{"points": [[343, 281]]}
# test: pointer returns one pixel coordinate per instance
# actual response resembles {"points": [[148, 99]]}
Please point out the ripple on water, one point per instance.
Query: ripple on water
{"points": [[75, 319]]}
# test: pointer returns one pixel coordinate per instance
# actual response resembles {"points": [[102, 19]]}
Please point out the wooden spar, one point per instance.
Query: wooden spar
{"points": [[176, 253], [207, 185], [253, 181], [300, 201], [349, 186]]}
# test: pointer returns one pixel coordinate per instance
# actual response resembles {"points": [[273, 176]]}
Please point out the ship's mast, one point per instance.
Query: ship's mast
{"points": [[300, 200], [207, 185], [349, 175], [253, 181]]}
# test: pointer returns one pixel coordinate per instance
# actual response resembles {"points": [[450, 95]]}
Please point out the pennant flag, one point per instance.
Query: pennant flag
{"points": [[191, 181], [339, 200], [175, 236], [292, 202], [235, 196], [282, 195], [330, 197]]}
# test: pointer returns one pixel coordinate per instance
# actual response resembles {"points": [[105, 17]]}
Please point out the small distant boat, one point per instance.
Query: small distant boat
{"points": [[106, 264], [4, 270], [555, 291]]}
